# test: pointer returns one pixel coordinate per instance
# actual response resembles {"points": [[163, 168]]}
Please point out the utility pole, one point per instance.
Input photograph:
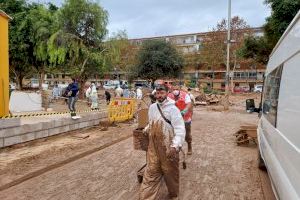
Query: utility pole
{"points": [[226, 104]]}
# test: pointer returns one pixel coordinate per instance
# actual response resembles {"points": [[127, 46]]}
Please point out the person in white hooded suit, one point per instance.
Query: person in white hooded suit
{"points": [[92, 94]]}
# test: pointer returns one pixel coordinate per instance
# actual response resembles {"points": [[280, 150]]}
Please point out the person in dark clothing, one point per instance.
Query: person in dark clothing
{"points": [[72, 93], [107, 96]]}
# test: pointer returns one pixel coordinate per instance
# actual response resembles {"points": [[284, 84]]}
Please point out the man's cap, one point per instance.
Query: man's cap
{"points": [[161, 87]]}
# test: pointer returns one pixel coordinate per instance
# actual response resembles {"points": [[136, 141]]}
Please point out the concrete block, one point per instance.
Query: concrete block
{"points": [[27, 128], [54, 131], [12, 140], [47, 125], [92, 116], [93, 123], [90, 123], [86, 116], [27, 137], [9, 132], [74, 127], [8, 123], [41, 134], [83, 124], [58, 122], [1, 142], [18, 139], [67, 121], [103, 115], [64, 129]]}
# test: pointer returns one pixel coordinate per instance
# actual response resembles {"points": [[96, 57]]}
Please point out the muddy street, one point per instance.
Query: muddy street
{"points": [[218, 168]]}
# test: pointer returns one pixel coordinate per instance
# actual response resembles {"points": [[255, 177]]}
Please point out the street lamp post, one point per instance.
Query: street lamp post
{"points": [[226, 106]]}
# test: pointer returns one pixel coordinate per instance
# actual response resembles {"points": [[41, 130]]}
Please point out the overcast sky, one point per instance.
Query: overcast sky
{"points": [[147, 18]]}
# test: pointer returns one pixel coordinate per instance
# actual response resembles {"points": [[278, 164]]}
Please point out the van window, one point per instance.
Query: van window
{"points": [[271, 94]]}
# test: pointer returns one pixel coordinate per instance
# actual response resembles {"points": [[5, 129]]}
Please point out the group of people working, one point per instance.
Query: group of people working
{"points": [[72, 91], [170, 119], [127, 93]]}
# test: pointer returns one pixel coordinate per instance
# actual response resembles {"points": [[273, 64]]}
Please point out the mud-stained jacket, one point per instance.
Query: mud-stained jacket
{"points": [[172, 113]]}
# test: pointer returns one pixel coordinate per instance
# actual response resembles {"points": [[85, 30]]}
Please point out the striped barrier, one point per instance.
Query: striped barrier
{"points": [[49, 113]]}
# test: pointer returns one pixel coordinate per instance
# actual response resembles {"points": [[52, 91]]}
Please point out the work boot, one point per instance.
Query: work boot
{"points": [[189, 149]]}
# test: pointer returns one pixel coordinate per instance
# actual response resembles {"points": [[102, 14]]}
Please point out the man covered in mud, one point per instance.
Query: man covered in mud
{"points": [[166, 136]]}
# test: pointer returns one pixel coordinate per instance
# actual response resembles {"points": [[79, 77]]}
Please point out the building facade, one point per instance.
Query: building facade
{"points": [[244, 73]]}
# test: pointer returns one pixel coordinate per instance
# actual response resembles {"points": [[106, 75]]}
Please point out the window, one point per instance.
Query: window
{"points": [[49, 76], [271, 94], [252, 75]]}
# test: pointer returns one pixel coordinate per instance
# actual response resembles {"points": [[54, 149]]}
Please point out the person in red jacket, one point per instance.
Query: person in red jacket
{"points": [[184, 104]]}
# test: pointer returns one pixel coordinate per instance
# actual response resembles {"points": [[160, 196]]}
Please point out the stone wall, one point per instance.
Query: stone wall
{"points": [[28, 132]]}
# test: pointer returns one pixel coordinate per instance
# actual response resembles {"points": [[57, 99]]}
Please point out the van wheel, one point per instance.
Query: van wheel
{"points": [[261, 162]]}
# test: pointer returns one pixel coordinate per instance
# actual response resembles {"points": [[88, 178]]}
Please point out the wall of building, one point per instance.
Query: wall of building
{"points": [[4, 74]]}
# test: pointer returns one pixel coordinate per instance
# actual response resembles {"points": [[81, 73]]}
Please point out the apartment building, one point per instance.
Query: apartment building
{"points": [[244, 73]]}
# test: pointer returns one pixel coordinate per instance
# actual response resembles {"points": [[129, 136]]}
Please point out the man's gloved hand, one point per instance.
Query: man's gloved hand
{"points": [[172, 155], [183, 112]]}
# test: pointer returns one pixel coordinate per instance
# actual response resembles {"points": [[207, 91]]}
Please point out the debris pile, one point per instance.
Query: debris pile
{"points": [[206, 99]]}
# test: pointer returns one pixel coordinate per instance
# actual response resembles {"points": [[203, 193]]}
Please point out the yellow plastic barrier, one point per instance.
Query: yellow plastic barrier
{"points": [[121, 109]]}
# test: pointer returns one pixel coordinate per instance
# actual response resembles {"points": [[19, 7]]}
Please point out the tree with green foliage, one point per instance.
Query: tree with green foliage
{"points": [[214, 46], [117, 46], [42, 24], [19, 46], [158, 59], [30, 30], [78, 44], [256, 48], [259, 48]]}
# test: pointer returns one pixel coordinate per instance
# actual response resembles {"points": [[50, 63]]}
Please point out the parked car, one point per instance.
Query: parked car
{"points": [[278, 128], [12, 86], [258, 88], [142, 85], [34, 83], [109, 86], [241, 89]]}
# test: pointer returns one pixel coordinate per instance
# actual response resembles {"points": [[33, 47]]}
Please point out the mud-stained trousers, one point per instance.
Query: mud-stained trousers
{"points": [[158, 167], [188, 134]]}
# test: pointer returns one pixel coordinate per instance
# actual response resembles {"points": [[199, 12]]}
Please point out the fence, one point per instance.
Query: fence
{"points": [[121, 109]]}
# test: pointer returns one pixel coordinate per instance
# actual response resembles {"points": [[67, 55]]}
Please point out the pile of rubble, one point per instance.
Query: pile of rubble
{"points": [[206, 99]]}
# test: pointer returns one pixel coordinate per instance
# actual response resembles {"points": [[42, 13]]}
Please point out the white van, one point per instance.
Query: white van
{"points": [[279, 126]]}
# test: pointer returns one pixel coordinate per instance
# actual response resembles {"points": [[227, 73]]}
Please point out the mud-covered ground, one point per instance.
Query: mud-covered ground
{"points": [[218, 168]]}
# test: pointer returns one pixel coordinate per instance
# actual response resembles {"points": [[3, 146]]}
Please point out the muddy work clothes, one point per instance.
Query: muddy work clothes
{"points": [[162, 136], [188, 135]]}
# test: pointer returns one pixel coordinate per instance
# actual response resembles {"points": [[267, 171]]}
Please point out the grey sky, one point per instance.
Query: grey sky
{"points": [[147, 18]]}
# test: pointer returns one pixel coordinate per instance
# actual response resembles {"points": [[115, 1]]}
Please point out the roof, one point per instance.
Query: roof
{"points": [[191, 34], [3, 14]]}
